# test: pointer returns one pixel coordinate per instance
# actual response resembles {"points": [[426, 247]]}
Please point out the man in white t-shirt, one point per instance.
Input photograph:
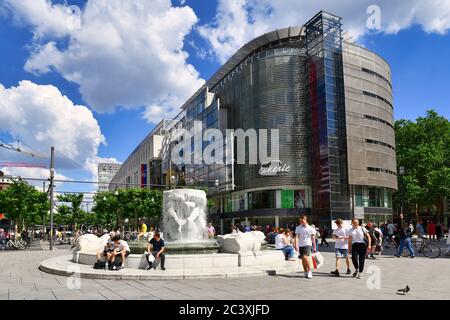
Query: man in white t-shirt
{"points": [[305, 235], [121, 249], [341, 247]]}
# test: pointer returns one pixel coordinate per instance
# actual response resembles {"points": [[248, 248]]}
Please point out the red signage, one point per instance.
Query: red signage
{"points": [[2, 216]]}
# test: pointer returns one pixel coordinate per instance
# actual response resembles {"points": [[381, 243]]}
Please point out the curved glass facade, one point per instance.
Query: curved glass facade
{"points": [[267, 92]]}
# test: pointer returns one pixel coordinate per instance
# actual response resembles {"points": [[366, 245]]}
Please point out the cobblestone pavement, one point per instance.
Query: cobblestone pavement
{"points": [[20, 278]]}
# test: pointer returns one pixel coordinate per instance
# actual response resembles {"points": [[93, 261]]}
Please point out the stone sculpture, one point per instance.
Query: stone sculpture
{"points": [[184, 214], [241, 242], [90, 243]]}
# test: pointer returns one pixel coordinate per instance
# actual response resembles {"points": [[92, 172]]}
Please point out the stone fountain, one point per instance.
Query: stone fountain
{"points": [[189, 250], [183, 224]]}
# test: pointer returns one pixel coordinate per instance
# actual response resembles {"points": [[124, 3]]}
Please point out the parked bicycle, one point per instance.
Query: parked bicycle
{"points": [[16, 245], [425, 247]]}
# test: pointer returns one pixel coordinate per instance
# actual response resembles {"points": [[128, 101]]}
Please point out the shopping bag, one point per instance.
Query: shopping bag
{"points": [[318, 259], [150, 257], [314, 263]]}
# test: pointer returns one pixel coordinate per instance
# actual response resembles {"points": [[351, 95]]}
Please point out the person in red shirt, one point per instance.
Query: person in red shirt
{"points": [[432, 230]]}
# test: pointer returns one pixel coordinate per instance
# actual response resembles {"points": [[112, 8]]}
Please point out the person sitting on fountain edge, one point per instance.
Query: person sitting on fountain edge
{"points": [[156, 247], [143, 230], [121, 249]]}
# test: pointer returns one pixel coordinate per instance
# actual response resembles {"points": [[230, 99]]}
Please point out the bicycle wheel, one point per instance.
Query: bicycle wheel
{"points": [[432, 251], [19, 245]]}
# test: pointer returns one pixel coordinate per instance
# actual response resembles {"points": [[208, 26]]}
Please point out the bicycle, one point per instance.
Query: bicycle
{"points": [[425, 247], [16, 245]]}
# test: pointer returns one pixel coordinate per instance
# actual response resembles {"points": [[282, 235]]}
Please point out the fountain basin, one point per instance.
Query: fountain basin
{"points": [[179, 247]]}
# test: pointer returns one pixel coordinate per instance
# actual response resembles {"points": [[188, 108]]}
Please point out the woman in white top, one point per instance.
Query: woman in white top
{"points": [[357, 237], [282, 242]]}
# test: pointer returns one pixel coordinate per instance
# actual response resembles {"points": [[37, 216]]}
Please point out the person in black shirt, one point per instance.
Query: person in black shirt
{"points": [[156, 247]]}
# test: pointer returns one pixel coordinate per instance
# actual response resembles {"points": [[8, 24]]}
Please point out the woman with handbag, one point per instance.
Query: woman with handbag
{"points": [[359, 242]]}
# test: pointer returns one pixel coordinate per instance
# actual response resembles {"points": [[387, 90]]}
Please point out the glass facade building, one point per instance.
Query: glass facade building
{"points": [[331, 102]]}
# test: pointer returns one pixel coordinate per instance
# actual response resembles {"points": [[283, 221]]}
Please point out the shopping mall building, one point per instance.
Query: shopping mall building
{"points": [[332, 103]]}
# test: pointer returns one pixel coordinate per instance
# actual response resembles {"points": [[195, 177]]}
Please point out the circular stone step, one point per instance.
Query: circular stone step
{"points": [[64, 266]]}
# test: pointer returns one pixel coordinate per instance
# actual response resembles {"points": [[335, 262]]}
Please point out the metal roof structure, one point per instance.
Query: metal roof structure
{"points": [[244, 52]]}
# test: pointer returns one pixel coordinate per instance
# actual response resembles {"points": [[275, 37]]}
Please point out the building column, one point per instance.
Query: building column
{"points": [[221, 226], [277, 221]]}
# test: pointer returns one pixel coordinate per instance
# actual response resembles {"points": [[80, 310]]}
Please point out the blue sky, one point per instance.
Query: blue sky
{"points": [[418, 59]]}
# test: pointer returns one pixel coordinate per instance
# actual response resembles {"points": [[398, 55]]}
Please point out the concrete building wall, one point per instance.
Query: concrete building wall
{"points": [[369, 118]]}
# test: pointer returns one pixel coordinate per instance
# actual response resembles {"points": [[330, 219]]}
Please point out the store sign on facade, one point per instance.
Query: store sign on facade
{"points": [[273, 168]]}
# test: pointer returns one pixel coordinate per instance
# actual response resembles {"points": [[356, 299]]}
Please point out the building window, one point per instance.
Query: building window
{"points": [[370, 94], [359, 196], [377, 74], [384, 144], [373, 169], [262, 199], [378, 120]]}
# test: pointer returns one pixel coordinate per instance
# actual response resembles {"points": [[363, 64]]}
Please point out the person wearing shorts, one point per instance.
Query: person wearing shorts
{"points": [[121, 249], [341, 247], [306, 242]]}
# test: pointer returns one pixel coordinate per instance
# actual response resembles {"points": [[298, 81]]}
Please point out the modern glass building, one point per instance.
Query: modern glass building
{"points": [[331, 102]]}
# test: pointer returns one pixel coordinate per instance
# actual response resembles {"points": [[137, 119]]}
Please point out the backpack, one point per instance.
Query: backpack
{"points": [[100, 265]]}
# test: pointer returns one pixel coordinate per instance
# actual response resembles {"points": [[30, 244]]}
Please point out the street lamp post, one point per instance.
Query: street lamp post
{"points": [[401, 173], [52, 175]]}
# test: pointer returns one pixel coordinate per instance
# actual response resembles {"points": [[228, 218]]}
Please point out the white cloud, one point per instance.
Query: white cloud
{"points": [[35, 173], [239, 21], [42, 117], [124, 54]]}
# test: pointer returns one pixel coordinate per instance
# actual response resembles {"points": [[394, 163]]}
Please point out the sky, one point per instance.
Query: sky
{"points": [[93, 77]]}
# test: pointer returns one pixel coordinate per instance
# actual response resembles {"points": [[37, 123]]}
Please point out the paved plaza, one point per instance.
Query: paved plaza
{"points": [[20, 278]]}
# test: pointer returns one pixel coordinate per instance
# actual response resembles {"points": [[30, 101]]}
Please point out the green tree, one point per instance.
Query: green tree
{"points": [[423, 150], [23, 204], [111, 209], [75, 199]]}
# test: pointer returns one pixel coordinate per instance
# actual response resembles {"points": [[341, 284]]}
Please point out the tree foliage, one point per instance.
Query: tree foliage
{"points": [[112, 209], [22, 203], [423, 150], [73, 214]]}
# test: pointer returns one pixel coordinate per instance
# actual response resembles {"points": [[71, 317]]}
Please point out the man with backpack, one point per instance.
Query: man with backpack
{"points": [[405, 240]]}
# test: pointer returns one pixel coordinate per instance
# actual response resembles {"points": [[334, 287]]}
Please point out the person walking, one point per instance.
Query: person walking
{"points": [[405, 240], [341, 247], [376, 237], [323, 236], [359, 242], [390, 230], [306, 240]]}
